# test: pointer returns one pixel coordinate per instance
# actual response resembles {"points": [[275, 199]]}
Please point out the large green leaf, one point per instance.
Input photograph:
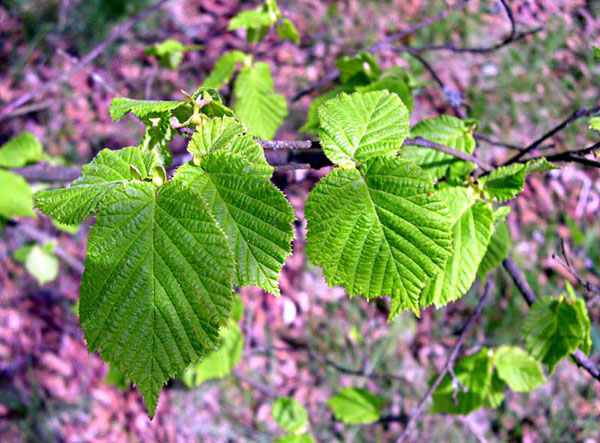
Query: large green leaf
{"points": [[20, 150], [257, 105], [224, 69], [475, 372], [360, 126], [107, 172], [379, 230], [356, 406], [312, 116], [518, 369], [254, 214], [471, 231], [289, 414], [505, 182], [214, 135], [449, 131], [219, 363], [496, 251], [16, 197], [157, 284], [553, 330]]}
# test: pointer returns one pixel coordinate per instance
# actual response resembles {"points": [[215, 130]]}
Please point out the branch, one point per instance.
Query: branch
{"points": [[493, 142], [420, 141], [449, 363], [65, 76], [579, 357]]}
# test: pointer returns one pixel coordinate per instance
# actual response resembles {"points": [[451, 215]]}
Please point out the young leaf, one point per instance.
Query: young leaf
{"points": [[16, 197], [471, 231], [539, 165], [169, 53], [552, 330], [257, 105], [289, 414], [355, 406], [107, 172], [295, 438], [360, 126], [505, 182], [518, 369], [475, 372], [251, 19], [213, 135], [379, 230], [121, 106], [224, 69], [42, 264], [287, 31], [312, 116], [394, 80], [447, 130], [361, 69], [20, 151], [219, 363], [584, 319], [255, 215], [496, 251], [157, 284]]}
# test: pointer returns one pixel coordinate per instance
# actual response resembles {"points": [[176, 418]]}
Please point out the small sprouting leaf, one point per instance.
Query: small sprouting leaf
{"points": [[287, 31], [42, 264], [539, 165], [16, 197], [20, 151], [520, 371], [218, 363], [360, 126], [361, 69], [289, 414], [475, 372], [505, 182], [107, 172], [379, 230], [214, 135], [157, 284], [449, 131], [553, 329], [356, 406], [471, 231], [159, 175], [169, 52], [257, 105], [496, 251], [224, 69], [394, 80], [255, 215]]}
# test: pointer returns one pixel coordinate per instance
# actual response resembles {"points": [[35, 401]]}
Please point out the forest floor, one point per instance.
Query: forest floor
{"points": [[51, 389]]}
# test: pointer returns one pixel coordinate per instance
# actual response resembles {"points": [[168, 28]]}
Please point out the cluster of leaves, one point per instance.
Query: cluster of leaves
{"points": [[169, 53], [259, 21]]}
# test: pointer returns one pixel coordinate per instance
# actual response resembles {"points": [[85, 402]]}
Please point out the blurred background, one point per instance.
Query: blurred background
{"points": [[51, 389]]}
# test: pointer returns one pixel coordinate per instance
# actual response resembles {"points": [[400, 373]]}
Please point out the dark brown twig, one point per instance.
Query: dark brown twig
{"points": [[448, 365]]}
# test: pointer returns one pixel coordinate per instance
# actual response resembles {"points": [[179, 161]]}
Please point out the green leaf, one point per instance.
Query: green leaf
{"points": [[252, 19], [471, 232], [289, 414], [224, 69], [355, 406], [596, 50], [214, 135], [219, 363], [294, 438], [157, 137], [109, 171], [121, 106], [215, 108], [42, 264], [449, 131], [20, 254], [360, 126], [496, 251], [157, 284], [246, 149], [379, 230], [505, 182], [254, 214], [475, 372], [394, 80], [312, 116], [539, 165], [20, 151], [117, 378], [257, 105], [552, 330], [169, 53], [358, 70], [287, 31], [16, 197], [518, 369], [595, 123], [584, 319]]}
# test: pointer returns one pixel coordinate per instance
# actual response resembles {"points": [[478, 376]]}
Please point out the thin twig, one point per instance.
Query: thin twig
{"points": [[582, 360], [255, 384], [449, 363], [493, 142], [420, 141], [91, 56]]}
